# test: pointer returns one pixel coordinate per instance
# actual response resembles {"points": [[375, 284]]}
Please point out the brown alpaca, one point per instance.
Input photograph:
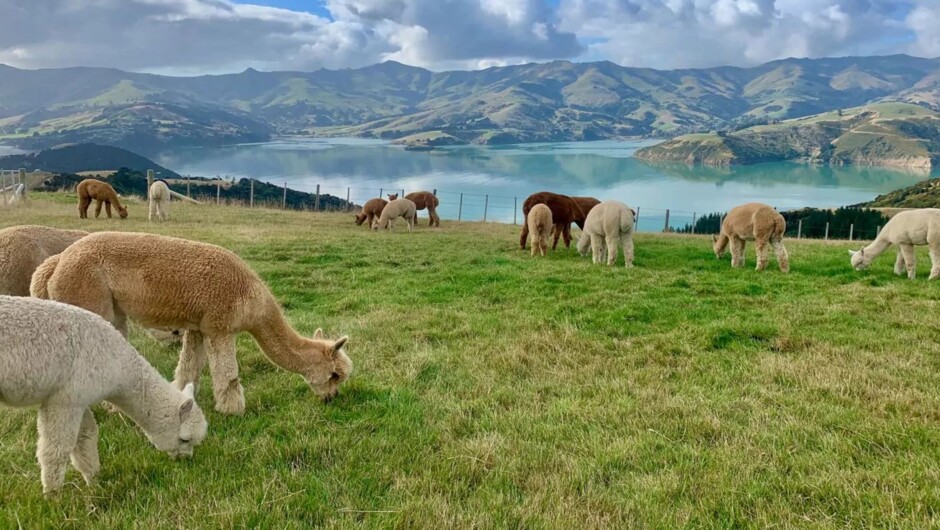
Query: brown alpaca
{"points": [[103, 193], [23, 248], [168, 283], [586, 204], [540, 224], [426, 199], [564, 212], [371, 211], [753, 222]]}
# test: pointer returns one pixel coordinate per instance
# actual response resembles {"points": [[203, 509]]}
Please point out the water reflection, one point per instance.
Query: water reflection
{"points": [[496, 179]]}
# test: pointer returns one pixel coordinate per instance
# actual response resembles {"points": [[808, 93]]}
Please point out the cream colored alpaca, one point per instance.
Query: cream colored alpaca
{"points": [[168, 283], [608, 225], [23, 248], [159, 199], [906, 229], [65, 360], [540, 226], [753, 222], [395, 209]]}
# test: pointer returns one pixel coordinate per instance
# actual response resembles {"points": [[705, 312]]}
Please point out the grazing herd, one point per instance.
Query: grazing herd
{"points": [[65, 349]]}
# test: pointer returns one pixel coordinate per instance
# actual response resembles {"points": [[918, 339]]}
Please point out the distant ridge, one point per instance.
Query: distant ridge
{"points": [[558, 100], [78, 158]]}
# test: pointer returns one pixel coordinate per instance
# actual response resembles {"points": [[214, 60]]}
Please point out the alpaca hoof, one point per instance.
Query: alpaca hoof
{"points": [[232, 401]]}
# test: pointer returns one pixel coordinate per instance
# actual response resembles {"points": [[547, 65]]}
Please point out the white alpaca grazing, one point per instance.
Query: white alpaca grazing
{"points": [[906, 229], [608, 224], [65, 360], [394, 209], [159, 201]]}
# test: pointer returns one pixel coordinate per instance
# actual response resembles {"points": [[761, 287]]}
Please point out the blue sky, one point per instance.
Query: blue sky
{"points": [[215, 36]]}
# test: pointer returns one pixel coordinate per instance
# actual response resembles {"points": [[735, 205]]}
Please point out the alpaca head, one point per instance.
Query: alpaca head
{"points": [[182, 426], [122, 211], [718, 247], [859, 260], [329, 366], [392, 196], [361, 218]]}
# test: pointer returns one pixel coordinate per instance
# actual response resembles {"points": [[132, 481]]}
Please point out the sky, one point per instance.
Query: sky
{"points": [[190, 37]]}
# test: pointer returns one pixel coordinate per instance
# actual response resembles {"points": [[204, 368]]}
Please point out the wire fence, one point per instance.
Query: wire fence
{"points": [[453, 205]]}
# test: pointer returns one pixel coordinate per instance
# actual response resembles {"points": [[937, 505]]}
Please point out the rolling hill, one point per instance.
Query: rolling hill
{"points": [[881, 134], [533, 102]]}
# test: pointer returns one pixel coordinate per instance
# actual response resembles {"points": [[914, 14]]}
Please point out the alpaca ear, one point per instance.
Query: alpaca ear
{"points": [[186, 408], [852, 252], [318, 334], [189, 390], [338, 345]]}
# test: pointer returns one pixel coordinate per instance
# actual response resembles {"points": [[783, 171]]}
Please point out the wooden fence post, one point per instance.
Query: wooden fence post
{"points": [[435, 192], [460, 208], [380, 192], [515, 207], [150, 176], [636, 223], [251, 196], [486, 205], [827, 231], [284, 197], [3, 187], [348, 206], [188, 183], [851, 231], [693, 223], [218, 189], [799, 229], [877, 231], [666, 224], [316, 205]]}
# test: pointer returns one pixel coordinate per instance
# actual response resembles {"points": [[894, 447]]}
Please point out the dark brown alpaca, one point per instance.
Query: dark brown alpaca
{"points": [[564, 212], [371, 211], [586, 204], [422, 200], [103, 193]]}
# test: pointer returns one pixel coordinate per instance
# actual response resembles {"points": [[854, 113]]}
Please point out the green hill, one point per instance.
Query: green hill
{"points": [[78, 158], [532, 102], [881, 134]]}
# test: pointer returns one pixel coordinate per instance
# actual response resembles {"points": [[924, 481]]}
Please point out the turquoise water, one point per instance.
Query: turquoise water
{"points": [[507, 174]]}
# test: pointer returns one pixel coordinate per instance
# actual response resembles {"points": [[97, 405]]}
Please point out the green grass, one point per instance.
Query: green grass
{"points": [[496, 390]]}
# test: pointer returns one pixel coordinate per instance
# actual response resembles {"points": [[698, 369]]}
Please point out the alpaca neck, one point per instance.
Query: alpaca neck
{"points": [[722, 242], [279, 341], [145, 393], [877, 246]]}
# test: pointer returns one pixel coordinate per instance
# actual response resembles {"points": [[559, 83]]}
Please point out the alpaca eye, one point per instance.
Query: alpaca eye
{"points": [[184, 440]]}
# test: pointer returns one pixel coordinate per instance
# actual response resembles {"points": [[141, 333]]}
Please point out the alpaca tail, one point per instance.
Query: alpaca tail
{"points": [[780, 227], [39, 286], [626, 221]]}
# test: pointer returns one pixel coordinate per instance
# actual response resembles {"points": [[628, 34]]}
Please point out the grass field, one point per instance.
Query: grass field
{"points": [[494, 390]]}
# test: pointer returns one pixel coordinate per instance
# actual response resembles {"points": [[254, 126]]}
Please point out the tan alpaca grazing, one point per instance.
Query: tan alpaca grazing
{"points": [[753, 222], [207, 291], [24, 248], [540, 225], [370, 211], [395, 209], [102, 192]]}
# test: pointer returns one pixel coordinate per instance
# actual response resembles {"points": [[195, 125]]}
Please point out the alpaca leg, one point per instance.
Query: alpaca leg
{"points": [[85, 456], [543, 245], [228, 391], [909, 260], [597, 244], [525, 232], [611, 250], [627, 242], [934, 262], [557, 231], [58, 435], [192, 360], [783, 258], [98, 205], [435, 220], [165, 210], [566, 231], [119, 321], [107, 208], [737, 252], [762, 254], [83, 204], [899, 267], [153, 208]]}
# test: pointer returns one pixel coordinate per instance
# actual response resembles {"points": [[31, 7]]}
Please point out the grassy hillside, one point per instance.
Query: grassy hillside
{"points": [[531, 102], [495, 390], [881, 134]]}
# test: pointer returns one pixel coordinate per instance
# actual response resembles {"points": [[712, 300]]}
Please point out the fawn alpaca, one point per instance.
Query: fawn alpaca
{"points": [[906, 229], [65, 360], [394, 209], [371, 210], [207, 291], [102, 193], [23, 248], [159, 201], [753, 222], [608, 225], [540, 226]]}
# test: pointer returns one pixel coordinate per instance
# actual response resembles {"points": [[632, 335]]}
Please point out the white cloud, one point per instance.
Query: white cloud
{"points": [[200, 36]]}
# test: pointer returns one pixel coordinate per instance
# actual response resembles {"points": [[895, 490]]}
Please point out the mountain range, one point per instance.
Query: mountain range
{"points": [[533, 102]]}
